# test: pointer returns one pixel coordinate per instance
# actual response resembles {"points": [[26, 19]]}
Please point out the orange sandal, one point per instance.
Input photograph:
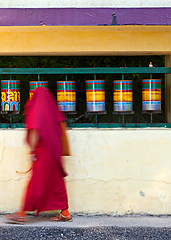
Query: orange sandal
{"points": [[61, 218], [14, 218]]}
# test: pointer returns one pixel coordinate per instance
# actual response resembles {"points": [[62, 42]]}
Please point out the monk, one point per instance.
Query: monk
{"points": [[45, 129]]}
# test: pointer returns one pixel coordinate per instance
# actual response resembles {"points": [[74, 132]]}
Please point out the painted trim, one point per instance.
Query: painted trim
{"points": [[84, 16], [85, 40], [86, 70], [98, 125]]}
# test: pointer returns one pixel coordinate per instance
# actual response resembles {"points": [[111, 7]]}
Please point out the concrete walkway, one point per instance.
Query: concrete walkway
{"points": [[89, 228], [96, 221]]}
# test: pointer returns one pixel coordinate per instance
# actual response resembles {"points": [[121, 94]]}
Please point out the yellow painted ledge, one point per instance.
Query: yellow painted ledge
{"points": [[85, 40]]}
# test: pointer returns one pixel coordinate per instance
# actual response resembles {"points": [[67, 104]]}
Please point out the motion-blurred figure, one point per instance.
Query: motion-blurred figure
{"points": [[46, 136]]}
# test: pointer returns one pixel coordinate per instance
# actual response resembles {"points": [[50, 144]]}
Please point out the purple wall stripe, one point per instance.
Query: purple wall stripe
{"points": [[84, 16]]}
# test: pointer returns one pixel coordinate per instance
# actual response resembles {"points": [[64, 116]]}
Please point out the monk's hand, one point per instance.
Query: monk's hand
{"points": [[33, 156]]}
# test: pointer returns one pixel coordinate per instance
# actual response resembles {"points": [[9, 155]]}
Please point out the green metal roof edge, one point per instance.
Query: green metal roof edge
{"points": [[98, 125]]}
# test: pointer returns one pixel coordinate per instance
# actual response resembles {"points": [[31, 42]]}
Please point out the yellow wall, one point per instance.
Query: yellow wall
{"points": [[85, 40], [112, 171]]}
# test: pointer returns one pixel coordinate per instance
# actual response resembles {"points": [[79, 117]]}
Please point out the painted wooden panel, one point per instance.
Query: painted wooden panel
{"points": [[84, 40], [84, 16]]}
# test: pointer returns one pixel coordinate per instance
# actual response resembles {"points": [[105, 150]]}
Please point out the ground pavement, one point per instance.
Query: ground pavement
{"points": [[89, 227]]}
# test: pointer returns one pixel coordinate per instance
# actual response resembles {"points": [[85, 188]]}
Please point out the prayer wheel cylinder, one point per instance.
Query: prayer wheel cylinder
{"points": [[95, 95], [66, 96], [151, 94], [35, 84], [10, 95], [122, 96]]}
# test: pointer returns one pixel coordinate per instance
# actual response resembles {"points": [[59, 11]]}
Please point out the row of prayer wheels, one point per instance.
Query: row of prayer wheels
{"points": [[95, 95]]}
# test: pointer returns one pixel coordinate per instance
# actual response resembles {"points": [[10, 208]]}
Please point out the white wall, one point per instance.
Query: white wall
{"points": [[114, 171], [83, 3]]}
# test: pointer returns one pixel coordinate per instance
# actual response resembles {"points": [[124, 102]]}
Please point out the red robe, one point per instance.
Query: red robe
{"points": [[46, 190]]}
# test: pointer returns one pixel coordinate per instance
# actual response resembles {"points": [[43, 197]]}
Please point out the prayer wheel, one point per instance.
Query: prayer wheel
{"points": [[35, 84], [10, 96], [151, 95], [122, 96], [95, 95], [66, 96]]}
